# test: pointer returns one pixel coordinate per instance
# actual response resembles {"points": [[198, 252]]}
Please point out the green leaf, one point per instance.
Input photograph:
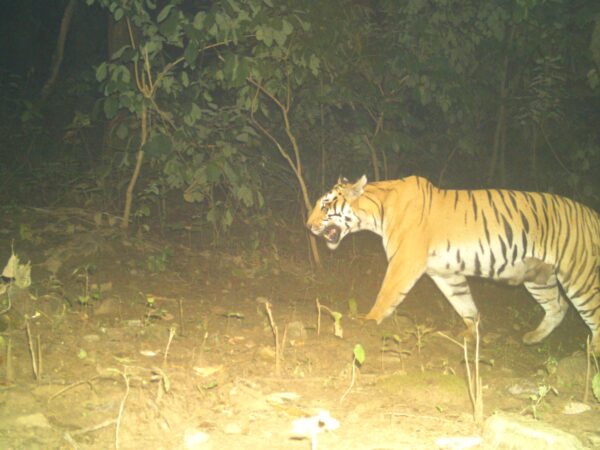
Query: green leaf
{"points": [[227, 217], [213, 172], [122, 131], [164, 13], [199, 19], [233, 5], [101, 72], [196, 112], [111, 106], [157, 145], [353, 307], [153, 46], [313, 64], [243, 137], [231, 66], [245, 195], [287, 27], [191, 53], [171, 27], [265, 34], [359, 354], [279, 38], [230, 174], [211, 215]]}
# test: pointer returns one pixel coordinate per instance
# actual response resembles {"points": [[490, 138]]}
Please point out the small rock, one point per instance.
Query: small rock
{"points": [[570, 371], [195, 439], [106, 307], [458, 442], [91, 338], [296, 330], [37, 420], [491, 338], [593, 439], [266, 354], [307, 427], [525, 388], [512, 432], [232, 428], [575, 408]]}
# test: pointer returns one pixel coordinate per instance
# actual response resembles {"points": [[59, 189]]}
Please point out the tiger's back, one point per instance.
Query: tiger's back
{"points": [[490, 231], [540, 240]]}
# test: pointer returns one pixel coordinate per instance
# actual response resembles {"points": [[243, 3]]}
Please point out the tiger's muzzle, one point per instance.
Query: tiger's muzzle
{"points": [[331, 233]]}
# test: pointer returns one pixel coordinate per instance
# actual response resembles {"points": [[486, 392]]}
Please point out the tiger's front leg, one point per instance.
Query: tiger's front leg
{"points": [[401, 275], [456, 289]]}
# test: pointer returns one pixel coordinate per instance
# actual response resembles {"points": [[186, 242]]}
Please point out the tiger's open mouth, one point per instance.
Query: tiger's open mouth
{"points": [[332, 233]]}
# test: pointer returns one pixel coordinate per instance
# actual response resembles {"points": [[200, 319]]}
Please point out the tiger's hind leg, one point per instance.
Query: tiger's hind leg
{"points": [[456, 289], [586, 300], [550, 297]]}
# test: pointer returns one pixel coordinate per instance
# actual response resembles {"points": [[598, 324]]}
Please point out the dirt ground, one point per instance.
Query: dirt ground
{"points": [[143, 342]]}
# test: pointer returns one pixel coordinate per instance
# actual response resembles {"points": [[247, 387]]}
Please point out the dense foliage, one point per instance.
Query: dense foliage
{"points": [[246, 99]]}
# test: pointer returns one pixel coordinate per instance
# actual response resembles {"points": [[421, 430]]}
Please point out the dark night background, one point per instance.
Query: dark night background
{"points": [[502, 94]]}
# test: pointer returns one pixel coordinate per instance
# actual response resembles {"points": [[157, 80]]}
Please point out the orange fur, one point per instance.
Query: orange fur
{"points": [[541, 240]]}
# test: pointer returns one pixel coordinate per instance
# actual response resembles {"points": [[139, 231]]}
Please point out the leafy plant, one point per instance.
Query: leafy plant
{"points": [[158, 262], [88, 294], [537, 398], [358, 360], [419, 332], [338, 331], [395, 348]]}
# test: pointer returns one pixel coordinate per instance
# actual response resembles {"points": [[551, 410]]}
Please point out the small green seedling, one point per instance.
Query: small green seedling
{"points": [[419, 333], [392, 343], [357, 361], [537, 398], [352, 307], [158, 262], [338, 331], [551, 365], [359, 354], [83, 275]]}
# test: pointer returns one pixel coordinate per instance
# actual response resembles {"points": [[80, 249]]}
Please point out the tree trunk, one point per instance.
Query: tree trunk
{"points": [[501, 120], [374, 159], [60, 48], [534, 164], [136, 172], [323, 152], [118, 37]]}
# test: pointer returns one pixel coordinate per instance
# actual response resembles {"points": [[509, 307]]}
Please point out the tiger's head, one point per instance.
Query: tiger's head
{"points": [[333, 216]]}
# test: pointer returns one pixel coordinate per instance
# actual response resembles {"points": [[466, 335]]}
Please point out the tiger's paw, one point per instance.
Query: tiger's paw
{"points": [[470, 333], [374, 315], [533, 337]]}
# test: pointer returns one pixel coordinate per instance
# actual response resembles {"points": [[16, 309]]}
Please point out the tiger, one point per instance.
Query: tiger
{"points": [[546, 242]]}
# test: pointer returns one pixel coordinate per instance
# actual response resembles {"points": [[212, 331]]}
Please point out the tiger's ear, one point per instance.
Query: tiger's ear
{"points": [[342, 180], [357, 188]]}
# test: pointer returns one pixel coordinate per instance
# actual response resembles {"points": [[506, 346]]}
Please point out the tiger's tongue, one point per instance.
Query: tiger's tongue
{"points": [[332, 233]]}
